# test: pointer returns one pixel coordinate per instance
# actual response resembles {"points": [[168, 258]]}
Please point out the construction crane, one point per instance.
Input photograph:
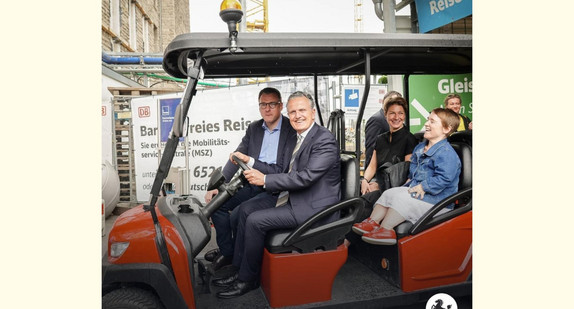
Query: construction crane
{"points": [[358, 15], [256, 16], [256, 19]]}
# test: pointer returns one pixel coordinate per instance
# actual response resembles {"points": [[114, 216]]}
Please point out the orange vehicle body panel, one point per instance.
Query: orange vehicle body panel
{"points": [[289, 279], [438, 256], [179, 260], [136, 226]]}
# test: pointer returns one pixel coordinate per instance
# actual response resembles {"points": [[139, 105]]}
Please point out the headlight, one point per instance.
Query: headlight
{"points": [[118, 248]]}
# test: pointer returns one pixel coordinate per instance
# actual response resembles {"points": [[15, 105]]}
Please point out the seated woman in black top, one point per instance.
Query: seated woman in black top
{"points": [[391, 147]]}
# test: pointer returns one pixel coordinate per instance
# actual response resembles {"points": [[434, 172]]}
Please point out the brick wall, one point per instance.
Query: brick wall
{"points": [[182, 19], [174, 14], [125, 22]]}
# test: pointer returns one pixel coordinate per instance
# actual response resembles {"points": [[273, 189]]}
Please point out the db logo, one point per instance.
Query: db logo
{"points": [[143, 111]]}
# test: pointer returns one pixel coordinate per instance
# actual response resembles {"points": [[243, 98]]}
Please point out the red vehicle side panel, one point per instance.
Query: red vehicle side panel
{"points": [[438, 256], [136, 227], [179, 260], [290, 279]]}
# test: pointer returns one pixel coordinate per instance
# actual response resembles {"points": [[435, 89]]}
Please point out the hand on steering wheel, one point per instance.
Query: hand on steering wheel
{"points": [[241, 164], [209, 195], [254, 177]]}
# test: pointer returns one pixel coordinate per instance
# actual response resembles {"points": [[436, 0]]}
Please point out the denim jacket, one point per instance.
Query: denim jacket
{"points": [[438, 170]]}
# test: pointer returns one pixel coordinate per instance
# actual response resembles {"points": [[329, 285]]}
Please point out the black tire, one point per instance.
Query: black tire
{"points": [[131, 298]]}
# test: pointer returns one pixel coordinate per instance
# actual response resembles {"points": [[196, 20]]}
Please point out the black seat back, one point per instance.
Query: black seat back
{"points": [[461, 136], [350, 185], [462, 199], [320, 231], [336, 125], [464, 152]]}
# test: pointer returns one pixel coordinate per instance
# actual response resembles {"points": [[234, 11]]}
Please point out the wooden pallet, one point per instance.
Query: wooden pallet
{"points": [[138, 92], [123, 138]]}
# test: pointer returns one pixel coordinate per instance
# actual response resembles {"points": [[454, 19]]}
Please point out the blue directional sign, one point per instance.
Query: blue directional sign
{"points": [[352, 97], [436, 13]]}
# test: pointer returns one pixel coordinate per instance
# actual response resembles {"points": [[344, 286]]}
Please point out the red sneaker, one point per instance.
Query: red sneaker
{"points": [[381, 236], [368, 225]]}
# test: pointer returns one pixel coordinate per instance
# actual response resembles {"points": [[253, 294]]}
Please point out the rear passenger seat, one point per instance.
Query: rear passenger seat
{"points": [[461, 142]]}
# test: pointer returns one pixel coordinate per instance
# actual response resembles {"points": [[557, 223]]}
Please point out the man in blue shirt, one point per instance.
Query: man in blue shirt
{"points": [[312, 183], [265, 141]]}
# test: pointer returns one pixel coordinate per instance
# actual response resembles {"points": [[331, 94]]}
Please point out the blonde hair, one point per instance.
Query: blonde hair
{"points": [[450, 96]]}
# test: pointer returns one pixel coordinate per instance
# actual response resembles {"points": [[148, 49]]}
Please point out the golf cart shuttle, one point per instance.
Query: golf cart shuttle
{"points": [[153, 250]]}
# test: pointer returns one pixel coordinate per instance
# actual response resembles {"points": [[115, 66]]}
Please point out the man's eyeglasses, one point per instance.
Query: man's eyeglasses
{"points": [[272, 105]]}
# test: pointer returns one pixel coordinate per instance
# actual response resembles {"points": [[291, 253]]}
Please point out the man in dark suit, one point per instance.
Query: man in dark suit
{"points": [[312, 183], [265, 141], [377, 124]]}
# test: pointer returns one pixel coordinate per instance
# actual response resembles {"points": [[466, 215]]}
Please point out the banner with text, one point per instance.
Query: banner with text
{"points": [[436, 13], [427, 92], [353, 94], [218, 119]]}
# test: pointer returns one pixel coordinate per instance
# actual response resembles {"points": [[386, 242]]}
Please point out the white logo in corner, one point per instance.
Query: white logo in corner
{"points": [[441, 301]]}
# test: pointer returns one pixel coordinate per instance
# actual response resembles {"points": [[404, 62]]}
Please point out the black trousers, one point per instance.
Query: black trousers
{"points": [[256, 217], [222, 220]]}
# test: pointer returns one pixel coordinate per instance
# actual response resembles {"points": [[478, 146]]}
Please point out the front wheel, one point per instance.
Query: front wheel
{"points": [[131, 298]]}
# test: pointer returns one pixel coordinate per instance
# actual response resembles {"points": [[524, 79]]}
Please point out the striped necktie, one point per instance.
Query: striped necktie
{"points": [[284, 195], [299, 139]]}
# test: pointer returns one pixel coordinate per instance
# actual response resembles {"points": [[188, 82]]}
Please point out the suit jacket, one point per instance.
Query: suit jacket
{"points": [[376, 125], [465, 120], [315, 179], [251, 146]]}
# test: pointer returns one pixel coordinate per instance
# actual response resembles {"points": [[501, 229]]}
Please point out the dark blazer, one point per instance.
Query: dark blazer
{"points": [[465, 120], [251, 146], [376, 125], [315, 179]]}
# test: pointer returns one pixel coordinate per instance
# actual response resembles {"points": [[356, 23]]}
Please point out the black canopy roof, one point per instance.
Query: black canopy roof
{"points": [[283, 54]]}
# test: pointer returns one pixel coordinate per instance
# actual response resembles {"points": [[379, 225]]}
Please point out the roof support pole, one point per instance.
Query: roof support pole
{"points": [[363, 103], [316, 89], [385, 10], [389, 16]]}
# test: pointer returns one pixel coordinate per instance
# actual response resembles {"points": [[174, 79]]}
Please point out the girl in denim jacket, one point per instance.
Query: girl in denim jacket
{"points": [[433, 175]]}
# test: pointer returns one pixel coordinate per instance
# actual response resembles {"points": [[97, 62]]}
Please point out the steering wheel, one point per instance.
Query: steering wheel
{"points": [[240, 163], [243, 167], [234, 184]]}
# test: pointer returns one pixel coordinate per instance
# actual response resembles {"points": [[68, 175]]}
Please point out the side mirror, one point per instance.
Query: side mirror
{"points": [[216, 179]]}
